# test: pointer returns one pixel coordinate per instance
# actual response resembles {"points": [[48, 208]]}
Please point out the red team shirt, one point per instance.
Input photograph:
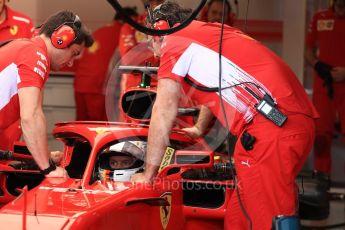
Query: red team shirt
{"points": [[26, 65], [327, 30], [266, 173], [16, 25], [134, 50], [192, 51]]}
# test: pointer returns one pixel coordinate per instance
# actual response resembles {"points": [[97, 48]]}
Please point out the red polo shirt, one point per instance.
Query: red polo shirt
{"points": [[19, 71], [327, 32], [16, 25], [134, 50], [91, 69], [193, 52]]}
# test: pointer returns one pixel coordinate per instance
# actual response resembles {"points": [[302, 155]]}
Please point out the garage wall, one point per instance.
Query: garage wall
{"points": [[98, 12], [93, 12]]}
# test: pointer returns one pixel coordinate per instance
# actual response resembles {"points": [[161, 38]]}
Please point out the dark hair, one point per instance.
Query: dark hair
{"points": [[130, 11], [70, 19], [171, 12], [228, 6]]}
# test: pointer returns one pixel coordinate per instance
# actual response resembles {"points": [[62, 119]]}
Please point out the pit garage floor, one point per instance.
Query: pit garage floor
{"points": [[337, 207]]}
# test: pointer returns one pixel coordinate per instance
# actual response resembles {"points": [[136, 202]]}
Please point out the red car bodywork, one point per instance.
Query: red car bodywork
{"points": [[174, 201]]}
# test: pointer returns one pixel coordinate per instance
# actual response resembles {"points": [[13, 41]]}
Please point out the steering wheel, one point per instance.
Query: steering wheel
{"points": [[155, 32]]}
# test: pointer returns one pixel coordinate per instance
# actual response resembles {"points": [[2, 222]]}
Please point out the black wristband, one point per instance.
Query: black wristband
{"points": [[51, 168]]}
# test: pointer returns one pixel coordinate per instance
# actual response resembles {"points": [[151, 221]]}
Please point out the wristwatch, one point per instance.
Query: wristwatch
{"points": [[51, 168]]}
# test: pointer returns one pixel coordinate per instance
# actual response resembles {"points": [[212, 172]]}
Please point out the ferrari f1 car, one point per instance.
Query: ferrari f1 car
{"points": [[191, 190], [186, 194]]}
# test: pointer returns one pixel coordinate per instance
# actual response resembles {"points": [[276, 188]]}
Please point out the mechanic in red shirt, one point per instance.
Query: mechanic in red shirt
{"points": [[267, 156], [92, 68], [13, 24], [326, 36], [134, 49], [24, 68], [216, 137]]}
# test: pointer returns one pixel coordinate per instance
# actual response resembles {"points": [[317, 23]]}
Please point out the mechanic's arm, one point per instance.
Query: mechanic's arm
{"points": [[163, 115], [338, 74], [34, 128], [204, 119]]}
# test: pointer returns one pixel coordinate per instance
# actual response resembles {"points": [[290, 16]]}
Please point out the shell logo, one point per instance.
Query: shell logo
{"points": [[100, 130]]}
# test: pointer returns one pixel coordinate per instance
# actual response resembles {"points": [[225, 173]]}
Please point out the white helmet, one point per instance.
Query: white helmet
{"points": [[110, 160]]}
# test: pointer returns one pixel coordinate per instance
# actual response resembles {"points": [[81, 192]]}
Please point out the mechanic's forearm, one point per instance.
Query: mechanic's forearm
{"points": [[204, 119], [158, 139], [35, 135], [164, 113]]}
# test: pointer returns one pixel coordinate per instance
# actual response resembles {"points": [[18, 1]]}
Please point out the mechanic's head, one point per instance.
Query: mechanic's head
{"points": [[165, 16], [120, 161], [67, 38], [339, 7], [215, 11], [153, 3], [171, 12]]}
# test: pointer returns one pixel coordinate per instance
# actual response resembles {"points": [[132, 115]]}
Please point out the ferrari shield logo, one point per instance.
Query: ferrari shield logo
{"points": [[323, 25], [14, 30], [95, 46], [165, 210]]}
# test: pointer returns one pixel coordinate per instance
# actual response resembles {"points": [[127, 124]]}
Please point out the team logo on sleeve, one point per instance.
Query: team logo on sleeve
{"points": [[14, 30], [39, 72], [40, 68], [325, 25], [42, 56], [140, 37], [43, 66]]}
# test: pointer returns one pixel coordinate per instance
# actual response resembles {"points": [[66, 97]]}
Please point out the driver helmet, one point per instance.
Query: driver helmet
{"points": [[120, 161]]}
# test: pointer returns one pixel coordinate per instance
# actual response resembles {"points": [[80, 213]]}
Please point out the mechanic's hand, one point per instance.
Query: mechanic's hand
{"points": [[141, 178], [193, 132], [58, 172], [338, 74], [56, 157]]}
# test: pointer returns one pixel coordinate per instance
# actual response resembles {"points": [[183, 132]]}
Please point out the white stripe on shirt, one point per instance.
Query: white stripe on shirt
{"points": [[8, 84]]}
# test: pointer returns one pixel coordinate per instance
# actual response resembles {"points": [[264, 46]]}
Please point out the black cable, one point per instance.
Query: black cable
{"points": [[155, 32], [220, 89], [216, 89]]}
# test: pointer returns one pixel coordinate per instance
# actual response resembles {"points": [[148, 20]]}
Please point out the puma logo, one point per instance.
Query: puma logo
{"points": [[245, 163]]}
